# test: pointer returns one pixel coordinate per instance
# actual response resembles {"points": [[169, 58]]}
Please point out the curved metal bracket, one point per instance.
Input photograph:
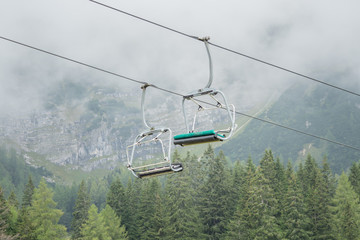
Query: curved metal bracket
{"points": [[143, 103], [205, 40]]}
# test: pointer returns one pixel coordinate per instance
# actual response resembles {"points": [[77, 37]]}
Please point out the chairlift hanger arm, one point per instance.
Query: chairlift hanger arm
{"points": [[144, 87], [206, 41], [206, 90]]}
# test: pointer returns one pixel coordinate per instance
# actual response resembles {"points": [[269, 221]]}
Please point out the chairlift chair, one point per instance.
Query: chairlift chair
{"points": [[197, 137], [161, 166]]}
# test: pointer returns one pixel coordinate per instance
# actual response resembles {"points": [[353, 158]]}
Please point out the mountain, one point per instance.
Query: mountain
{"points": [[81, 128], [86, 128], [314, 109]]}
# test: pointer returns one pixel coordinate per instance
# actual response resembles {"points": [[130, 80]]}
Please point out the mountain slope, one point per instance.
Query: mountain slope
{"points": [[313, 109]]}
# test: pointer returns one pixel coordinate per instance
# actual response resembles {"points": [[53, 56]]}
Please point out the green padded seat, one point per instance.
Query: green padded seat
{"points": [[197, 137], [196, 134]]}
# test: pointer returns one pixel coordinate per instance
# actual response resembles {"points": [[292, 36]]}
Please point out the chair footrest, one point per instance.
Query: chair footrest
{"points": [[176, 167]]}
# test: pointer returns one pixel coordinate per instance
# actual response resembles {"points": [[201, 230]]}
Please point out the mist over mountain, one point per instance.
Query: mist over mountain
{"points": [[55, 111], [311, 108], [78, 126], [82, 126]]}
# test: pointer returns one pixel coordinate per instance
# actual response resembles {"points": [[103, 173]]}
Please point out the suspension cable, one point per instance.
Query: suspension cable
{"points": [[172, 92], [230, 50]]}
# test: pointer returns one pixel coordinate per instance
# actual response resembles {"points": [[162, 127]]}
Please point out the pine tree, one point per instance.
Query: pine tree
{"points": [[294, 218], [3, 215], [116, 198], [354, 177], [238, 184], [44, 216], [3, 218], [196, 168], [159, 223], [280, 186], [268, 227], [271, 182], [132, 200], [181, 214], [254, 217], [329, 179], [12, 218], [280, 183], [241, 224], [28, 193], [274, 173], [25, 227], [346, 211], [12, 200], [300, 176], [112, 223], [310, 174], [3, 210], [80, 213], [250, 166], [215, 209], [150, 220], [317, 199], [267, 165], [66, 196], [289, 172], [125, 205], [98, 190], [94, 227]]}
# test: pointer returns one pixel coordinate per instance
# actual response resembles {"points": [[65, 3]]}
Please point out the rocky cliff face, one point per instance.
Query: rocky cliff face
{"points": [[88, 128], [83, 128], [49, 135]]}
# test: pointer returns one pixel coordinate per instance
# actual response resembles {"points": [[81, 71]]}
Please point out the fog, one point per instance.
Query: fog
{"points": [[315, 38]]}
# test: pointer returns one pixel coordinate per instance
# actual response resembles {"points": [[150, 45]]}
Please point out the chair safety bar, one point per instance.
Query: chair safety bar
{"points": [[229, 108]]}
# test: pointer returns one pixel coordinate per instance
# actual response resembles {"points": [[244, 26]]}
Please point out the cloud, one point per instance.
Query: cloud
{"points": [[316, 38]]}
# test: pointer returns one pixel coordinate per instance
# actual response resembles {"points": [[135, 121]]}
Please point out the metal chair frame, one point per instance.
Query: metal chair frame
{"points": [[160, 167], [230, 108]]}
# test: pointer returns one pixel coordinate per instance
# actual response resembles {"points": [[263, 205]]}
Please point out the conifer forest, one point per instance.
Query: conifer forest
{"points": [[209, 199]]}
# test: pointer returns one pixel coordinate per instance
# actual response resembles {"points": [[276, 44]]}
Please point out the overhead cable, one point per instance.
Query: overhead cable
{"points": [[172, 92], [228, 49], [71, 60], [145, 20]]}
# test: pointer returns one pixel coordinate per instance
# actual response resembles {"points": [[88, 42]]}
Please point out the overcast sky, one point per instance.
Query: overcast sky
{"points": [[316, 38]]}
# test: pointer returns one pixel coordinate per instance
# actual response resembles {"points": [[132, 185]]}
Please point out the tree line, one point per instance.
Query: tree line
{"points": [[208, 200], [14, 171]]}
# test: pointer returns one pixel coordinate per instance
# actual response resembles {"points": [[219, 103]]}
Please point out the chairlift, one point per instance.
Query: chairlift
{"points": [[192, 136], [161, 166]]}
